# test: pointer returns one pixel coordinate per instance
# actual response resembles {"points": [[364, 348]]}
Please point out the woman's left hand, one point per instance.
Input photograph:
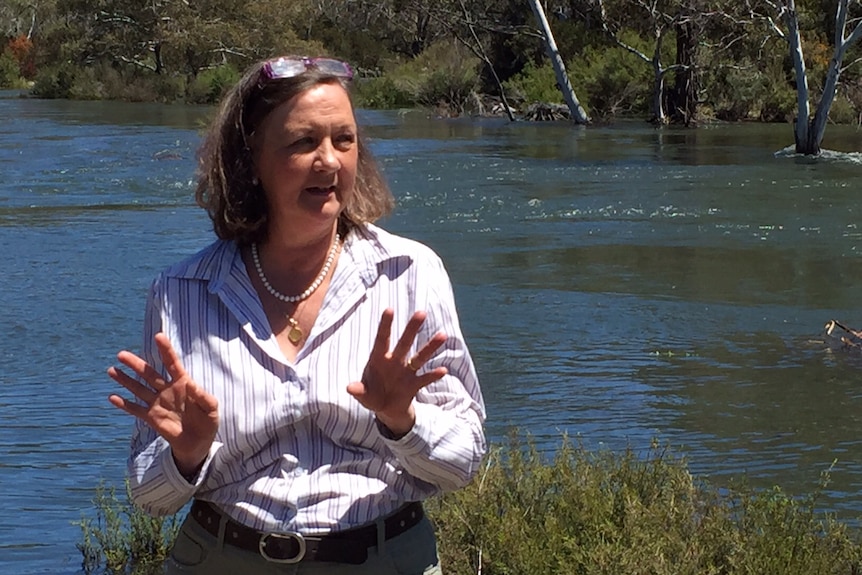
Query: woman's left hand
{"points": [[390, 380]]}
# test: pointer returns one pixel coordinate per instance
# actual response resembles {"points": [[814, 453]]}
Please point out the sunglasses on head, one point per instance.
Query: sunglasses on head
{"points": [[291, 67]]}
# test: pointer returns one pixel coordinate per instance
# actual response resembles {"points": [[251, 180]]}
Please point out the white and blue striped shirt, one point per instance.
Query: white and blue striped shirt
{"points": [[294, 451]]}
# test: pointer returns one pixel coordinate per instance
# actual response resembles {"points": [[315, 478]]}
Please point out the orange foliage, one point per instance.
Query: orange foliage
{"points": [[21, 48]]}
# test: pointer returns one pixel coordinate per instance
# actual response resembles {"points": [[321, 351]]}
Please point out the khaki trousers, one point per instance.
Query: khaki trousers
{"points": [[197, 552]]}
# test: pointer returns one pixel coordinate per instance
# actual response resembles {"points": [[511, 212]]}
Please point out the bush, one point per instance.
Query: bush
{"points": [[843, 111], [612, 82], [9, 73], [382, 93], [123, 537], [534, 84], [582, 512], [607, 80], [210, 85], [444, 78], [55, 81], [604, 513], [753, 89]]}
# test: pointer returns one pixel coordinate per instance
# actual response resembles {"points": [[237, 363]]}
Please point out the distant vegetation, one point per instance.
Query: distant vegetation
{"points": [[573, 512], [719, 59]]}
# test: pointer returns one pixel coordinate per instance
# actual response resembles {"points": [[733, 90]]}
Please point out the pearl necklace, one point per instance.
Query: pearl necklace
{"points": [[295, 334]]}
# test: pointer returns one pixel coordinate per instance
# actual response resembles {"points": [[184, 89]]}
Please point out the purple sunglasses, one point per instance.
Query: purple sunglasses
{"points": [[291, 67]]}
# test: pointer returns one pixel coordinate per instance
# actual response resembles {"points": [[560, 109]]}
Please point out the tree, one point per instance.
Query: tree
{"points": [[660, 20], [578, 114], [809, 130]]}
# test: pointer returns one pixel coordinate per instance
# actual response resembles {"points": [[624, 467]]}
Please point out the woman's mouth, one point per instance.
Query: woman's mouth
{"points": [[321, 191]]}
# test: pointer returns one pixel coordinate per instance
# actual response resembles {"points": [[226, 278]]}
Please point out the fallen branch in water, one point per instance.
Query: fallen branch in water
{"points": [[839, 335]]}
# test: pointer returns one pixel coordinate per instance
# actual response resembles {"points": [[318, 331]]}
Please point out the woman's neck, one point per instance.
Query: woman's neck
{"points": [[290, 266]]}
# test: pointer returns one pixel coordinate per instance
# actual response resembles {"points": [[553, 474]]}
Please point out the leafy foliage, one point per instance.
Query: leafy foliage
{"points": [[604, 513], [534, 84], [383, 92], [123, 537], [210, 85], [444, 78], [9, 76], [573, 511]]}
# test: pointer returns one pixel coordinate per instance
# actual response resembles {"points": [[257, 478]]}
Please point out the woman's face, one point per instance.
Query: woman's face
{"points": [[305, 155]]}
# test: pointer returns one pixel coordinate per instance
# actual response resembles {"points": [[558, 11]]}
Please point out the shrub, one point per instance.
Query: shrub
{"points": [[9, 75], [612, 82], [604, 513], [534, 84], [443, 77], [123, 537], [382, 93], [843, 110], [575, 511], [55, 81], [210, 85]]}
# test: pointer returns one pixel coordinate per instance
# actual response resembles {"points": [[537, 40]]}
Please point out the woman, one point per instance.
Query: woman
{"points": [[304, 378]]}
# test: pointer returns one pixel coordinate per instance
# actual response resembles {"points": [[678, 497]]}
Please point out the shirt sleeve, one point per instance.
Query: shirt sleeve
{"points": [[157, 486], [447, 442]]}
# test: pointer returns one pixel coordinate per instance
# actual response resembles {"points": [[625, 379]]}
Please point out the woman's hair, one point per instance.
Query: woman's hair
{"points": [[227, 187]]}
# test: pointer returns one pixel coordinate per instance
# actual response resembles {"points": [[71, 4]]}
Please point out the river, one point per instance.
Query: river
{"points": [[617, 283]]}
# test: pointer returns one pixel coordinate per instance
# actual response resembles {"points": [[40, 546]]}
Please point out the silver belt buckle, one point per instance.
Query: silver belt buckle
{"points": [[300, 541]]}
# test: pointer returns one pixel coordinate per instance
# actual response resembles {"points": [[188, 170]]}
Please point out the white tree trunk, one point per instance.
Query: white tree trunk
{"points": [[809, 131], [803, 109], [830, 87], [658, 90], [579, 115]]}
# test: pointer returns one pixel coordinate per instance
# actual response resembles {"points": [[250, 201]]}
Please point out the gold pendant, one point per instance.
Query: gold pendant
{"points": [[295, 333]]}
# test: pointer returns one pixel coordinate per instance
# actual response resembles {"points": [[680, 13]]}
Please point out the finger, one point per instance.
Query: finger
{"points": [[405, 342], [428, 350], [129, 407], [170, 358], [205, 401], [430, 377], [143, 369], [140, 391], [384, 328], [357, 389]]}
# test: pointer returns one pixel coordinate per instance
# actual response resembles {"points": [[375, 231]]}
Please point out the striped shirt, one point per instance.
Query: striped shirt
{"points": [[294, 451]]}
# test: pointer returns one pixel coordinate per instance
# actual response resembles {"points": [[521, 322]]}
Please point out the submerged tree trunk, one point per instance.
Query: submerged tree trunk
{"points": [[578, 114], [683, 101], [660, 117], [801, 126], [808, 132]]}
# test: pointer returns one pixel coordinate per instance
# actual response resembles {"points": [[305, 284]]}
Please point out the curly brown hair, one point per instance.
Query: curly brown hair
{"points": [[226, 186]]}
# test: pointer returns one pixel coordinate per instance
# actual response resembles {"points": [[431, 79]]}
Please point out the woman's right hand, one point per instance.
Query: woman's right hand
{"points": [[178, 410]]}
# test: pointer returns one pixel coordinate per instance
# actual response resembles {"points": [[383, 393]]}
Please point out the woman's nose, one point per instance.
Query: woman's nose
{"points": [[327, 158]]}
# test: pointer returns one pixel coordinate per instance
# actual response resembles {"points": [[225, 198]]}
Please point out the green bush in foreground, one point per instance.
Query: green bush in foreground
{"points": [[123, 537], [581, 513], [605, 513]]}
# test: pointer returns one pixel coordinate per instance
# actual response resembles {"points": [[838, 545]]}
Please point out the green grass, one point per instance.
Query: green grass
{"points": [[575, 512]]}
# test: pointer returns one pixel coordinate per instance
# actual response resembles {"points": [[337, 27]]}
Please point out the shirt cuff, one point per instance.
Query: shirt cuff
{"points": [[179, 481], [416, 440]]}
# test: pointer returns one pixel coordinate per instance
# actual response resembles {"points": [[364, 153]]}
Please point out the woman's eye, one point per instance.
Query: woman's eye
{"points": [[345, 139]]}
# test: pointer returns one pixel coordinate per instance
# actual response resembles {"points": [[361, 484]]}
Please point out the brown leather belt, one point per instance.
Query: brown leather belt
{"points": [[350, 546]]}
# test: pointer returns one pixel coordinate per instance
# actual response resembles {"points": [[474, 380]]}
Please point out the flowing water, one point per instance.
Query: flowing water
{"points": [[616, 283]]}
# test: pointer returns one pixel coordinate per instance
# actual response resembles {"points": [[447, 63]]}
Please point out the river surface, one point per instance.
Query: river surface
{"points": [[615, 283]]}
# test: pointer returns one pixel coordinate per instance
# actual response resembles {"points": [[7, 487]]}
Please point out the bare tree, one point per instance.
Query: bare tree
{"points": [[577, 112], [783, 19], [660, 23]]}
